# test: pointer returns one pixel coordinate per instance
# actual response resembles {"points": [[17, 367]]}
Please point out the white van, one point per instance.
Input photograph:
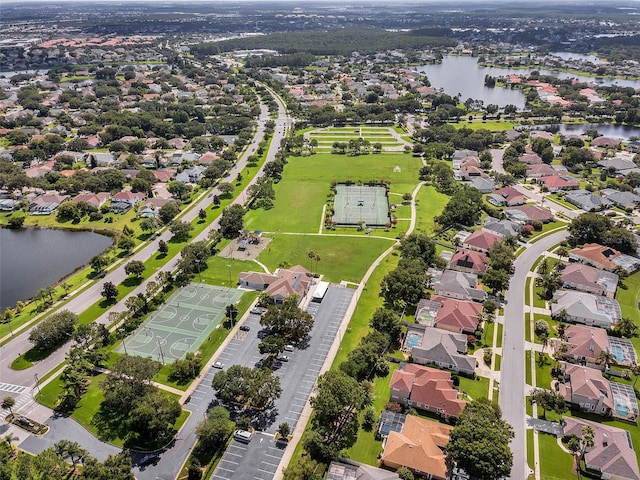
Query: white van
{"points": [[242, 436]]}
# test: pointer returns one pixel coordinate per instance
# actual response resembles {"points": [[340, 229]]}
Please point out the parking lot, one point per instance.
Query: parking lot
{"points": [[259, 459]]}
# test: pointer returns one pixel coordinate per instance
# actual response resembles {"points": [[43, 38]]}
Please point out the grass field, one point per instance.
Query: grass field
{"points": [[341, 258], [475, 388], [429, 204], [306, 184], [555, 464]]}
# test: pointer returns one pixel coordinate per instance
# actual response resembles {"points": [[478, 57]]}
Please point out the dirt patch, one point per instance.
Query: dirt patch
{"points": [[245, 248]]}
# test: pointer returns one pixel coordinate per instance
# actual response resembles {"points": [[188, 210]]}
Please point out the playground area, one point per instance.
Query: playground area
{"points": [[181, 324], [354, 204], [246, 247]]}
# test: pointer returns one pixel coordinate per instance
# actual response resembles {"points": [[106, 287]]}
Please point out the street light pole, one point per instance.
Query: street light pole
{"points": [[160, 347], [229, 267], [35, 375]]}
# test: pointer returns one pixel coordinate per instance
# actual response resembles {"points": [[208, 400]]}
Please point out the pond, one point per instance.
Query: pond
{"points": [[610, 130], [462, 75], [34, 258]]}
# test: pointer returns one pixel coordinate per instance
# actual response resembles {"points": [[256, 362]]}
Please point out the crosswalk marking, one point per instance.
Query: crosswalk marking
{"points": [[8, 387]]}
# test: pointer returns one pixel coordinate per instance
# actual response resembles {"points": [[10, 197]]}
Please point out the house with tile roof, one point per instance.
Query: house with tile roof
{"points": [[530, 159], [605, 142], [556, 183], [349, 470], [94, 199], [585, 308], [527, 214], [440, 347], [285, 282], [586, 388], [585, 278], [584, 344], [587, 201], [502, 228], [507, 196], [471, 261], [612, 454], [460, 285], [603, 257], [419, 447], [459, 316], [481, 241], [426, 388], [543, 170]]}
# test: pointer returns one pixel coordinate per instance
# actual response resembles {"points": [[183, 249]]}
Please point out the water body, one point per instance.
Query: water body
{"points": [[461, 74], [621, 132], [33, 258], [576, 56]]}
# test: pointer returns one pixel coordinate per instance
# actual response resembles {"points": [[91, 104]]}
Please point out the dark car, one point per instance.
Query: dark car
{"points": [[149, 458], [245, 328]]}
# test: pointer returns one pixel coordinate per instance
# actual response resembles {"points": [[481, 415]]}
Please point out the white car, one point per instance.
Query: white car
{"points": [[218, 365]]}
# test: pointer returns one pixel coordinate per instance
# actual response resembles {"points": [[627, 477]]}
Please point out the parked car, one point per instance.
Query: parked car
{"points": [[288, 348], [242, 436], [283, 358], [258, 310], [245, 328], [218, 365]]}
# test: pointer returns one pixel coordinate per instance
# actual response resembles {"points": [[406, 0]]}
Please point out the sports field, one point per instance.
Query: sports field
{"points": [[181, 324], [361, 203]]}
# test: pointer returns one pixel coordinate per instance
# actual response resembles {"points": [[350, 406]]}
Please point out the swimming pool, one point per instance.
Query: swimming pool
{"points": [[621, 408], [617, 352], [413, 339]]}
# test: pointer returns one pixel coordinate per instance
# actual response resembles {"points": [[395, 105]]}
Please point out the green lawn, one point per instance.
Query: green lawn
{"points": [[307, 182], [341, 258], [554, 197], [367, 448], [530, 456], [493, 125], [543, 373], [555, 464], [429, 204], [475, 388]]}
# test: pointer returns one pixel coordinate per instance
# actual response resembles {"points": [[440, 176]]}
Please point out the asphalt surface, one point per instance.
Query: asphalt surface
{"points": [[512, 385], [259, 458]]}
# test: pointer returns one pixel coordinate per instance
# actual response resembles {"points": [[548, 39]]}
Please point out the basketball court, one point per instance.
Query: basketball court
{"points": [[181, 324]]}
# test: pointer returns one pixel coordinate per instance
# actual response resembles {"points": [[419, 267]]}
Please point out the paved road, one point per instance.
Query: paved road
{"points": [[512, 386], [260, 458], [21, 344]]}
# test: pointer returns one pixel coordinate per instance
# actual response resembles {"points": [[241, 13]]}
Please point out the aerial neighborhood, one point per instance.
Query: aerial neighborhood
{"points": [[282, 241]]}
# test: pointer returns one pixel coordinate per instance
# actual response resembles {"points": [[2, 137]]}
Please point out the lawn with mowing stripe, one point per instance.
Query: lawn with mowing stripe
{"points": [[306, 183], [555, 464], [429, 204], [475, 388], [341, 258]]}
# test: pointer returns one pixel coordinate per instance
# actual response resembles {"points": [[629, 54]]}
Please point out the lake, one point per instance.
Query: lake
{"points": [[461, 74], [34, 258]]}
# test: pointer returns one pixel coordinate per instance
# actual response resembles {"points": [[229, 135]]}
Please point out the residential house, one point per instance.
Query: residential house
{"points": [[541, 134], [426, 388], [544, 170], [460, 285], [556, 183], [470, 171], [612, 454], [100, 159], [285, 282], [583, 344], [507, 197], [459, 156], [429, 345], [624, 200], [419, 447], [163, 176], [586, 308], [617, 165], [471, 261], [349, 470], [527, 214], [586, 388], [129, 197], [481, 241], [482, 184], [191, 175], [47, 203], [633, 147], [605, 142], [587, 201], [459, 316], [530, 159], [94, 199], [502, 228], [603, 257], [585, 278]]}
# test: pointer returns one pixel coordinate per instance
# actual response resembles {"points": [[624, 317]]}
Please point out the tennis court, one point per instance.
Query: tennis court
{"points": [[361, 203], [181, 324]]}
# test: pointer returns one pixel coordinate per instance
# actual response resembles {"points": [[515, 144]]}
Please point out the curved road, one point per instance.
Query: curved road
{"points": [[512, 385]]}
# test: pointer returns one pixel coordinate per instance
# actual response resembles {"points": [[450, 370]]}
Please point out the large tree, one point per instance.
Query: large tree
{"points": [[288, 320], [405, 284], [232, 220], [464, 207], [418, 245], [386, 321], [251, 387], [479, 442], [215, 429], [152, 416], [129, 380], [54, 330], [596, 228]]}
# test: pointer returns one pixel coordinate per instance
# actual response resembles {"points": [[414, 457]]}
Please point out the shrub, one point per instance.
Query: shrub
{"points": [[542, 327]]}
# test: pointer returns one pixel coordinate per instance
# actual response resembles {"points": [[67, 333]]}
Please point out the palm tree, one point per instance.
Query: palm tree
{"points": [[543, 267], [635, 370], [606, 358], [8, 403], [562, 251], [311, 254]]}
